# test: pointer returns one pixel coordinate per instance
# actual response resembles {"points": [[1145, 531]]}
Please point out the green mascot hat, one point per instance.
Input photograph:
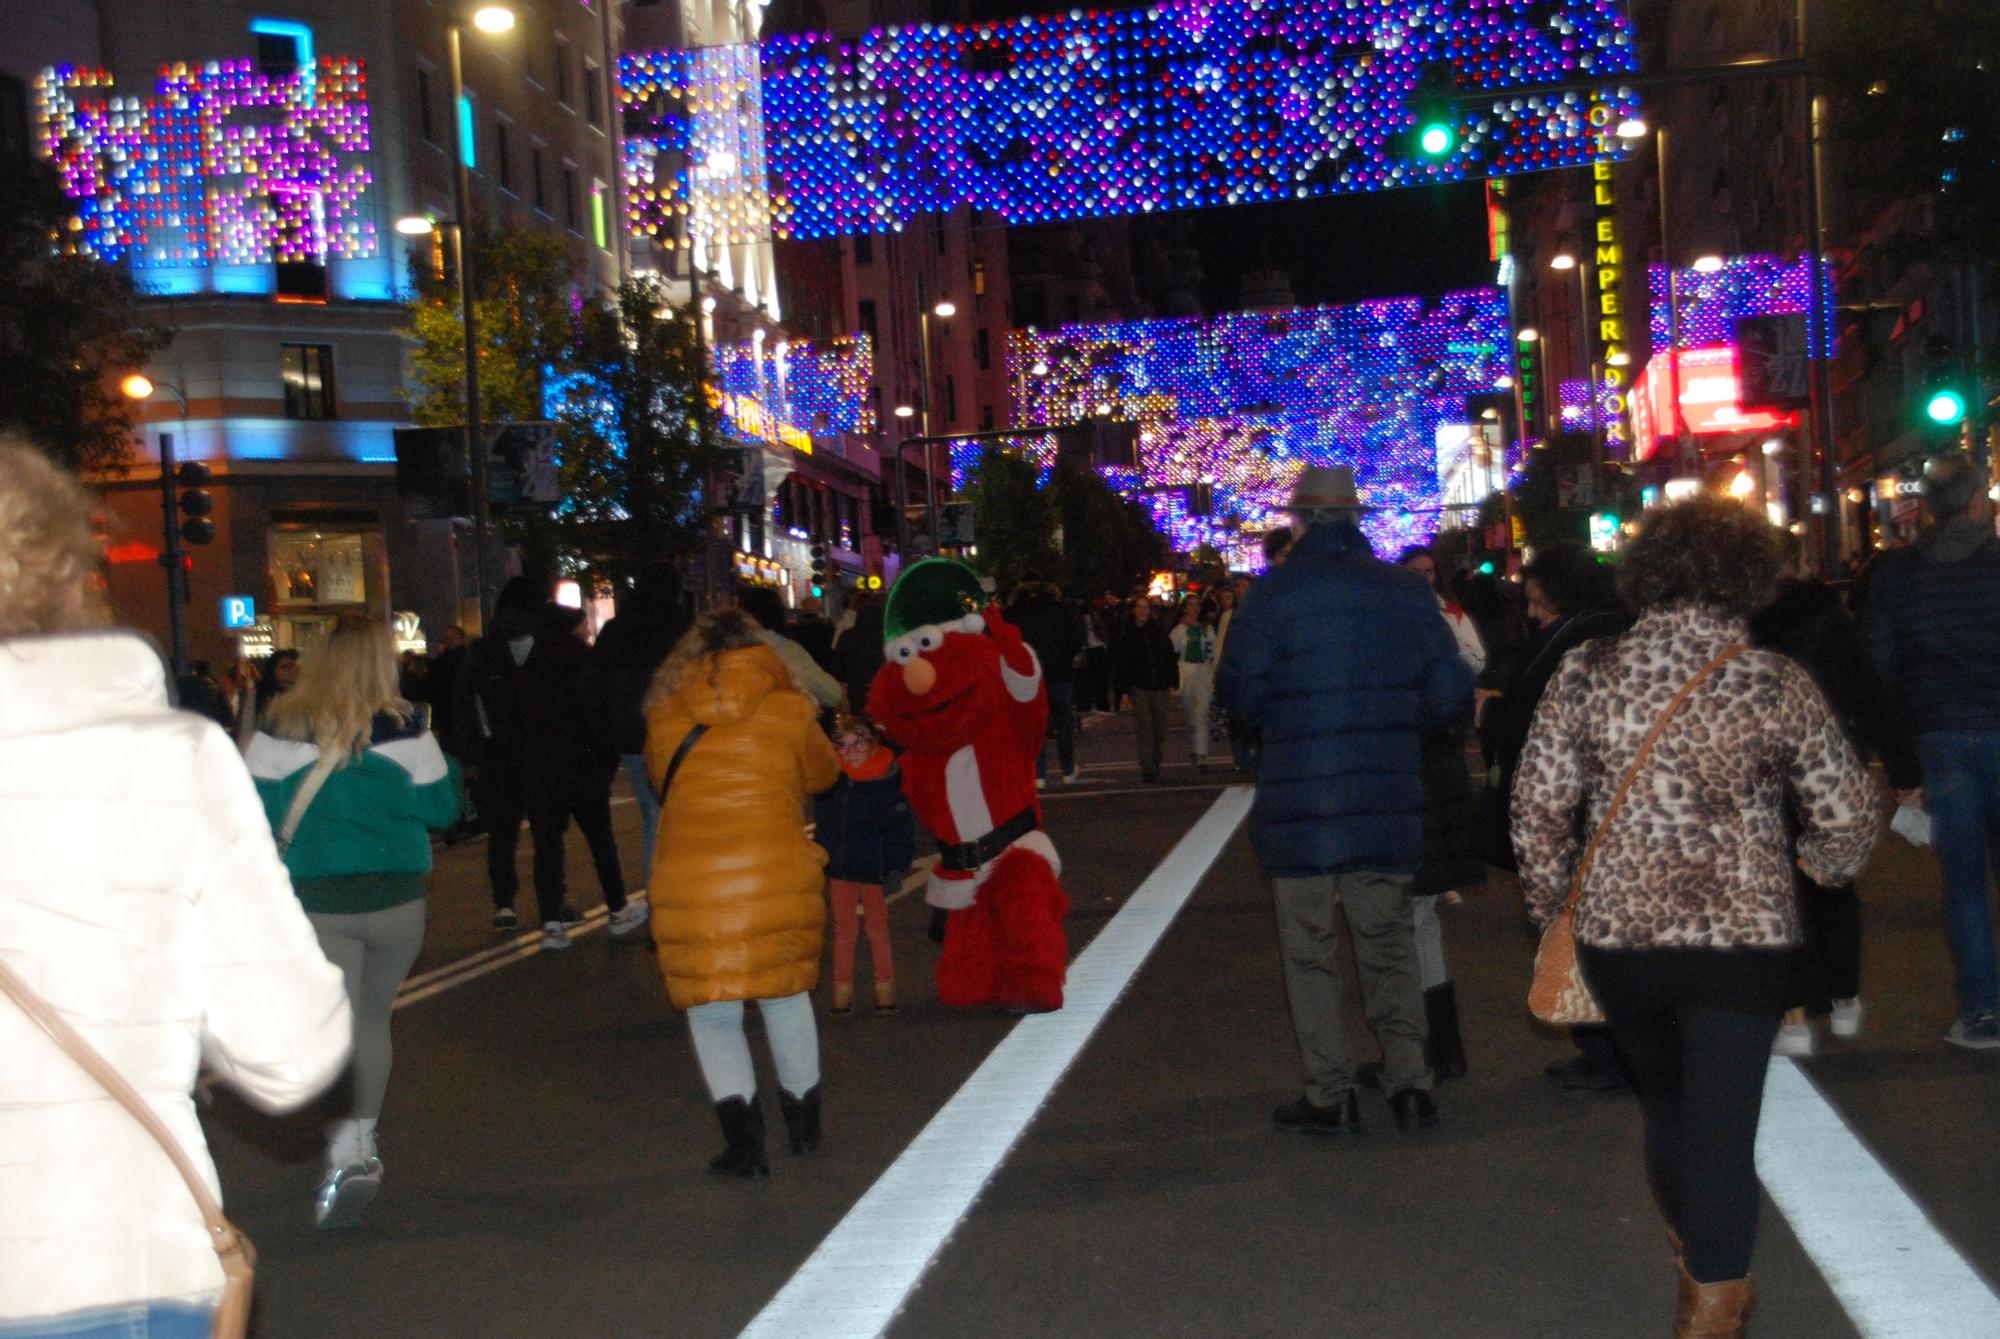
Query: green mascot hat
{"points": [[940, 591]]}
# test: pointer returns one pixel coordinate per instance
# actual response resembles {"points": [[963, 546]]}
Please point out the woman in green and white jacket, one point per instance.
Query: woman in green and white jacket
{"points": [[353, 771]]}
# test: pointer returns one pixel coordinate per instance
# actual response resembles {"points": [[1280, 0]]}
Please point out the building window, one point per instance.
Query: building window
{"points": [[570, 219], [864, 250], [538, 191], [982, 346], [937, 232], [979, 280], [867, 318], [503, 155], [951, 399], [593, 93], [562, 71], [426, 113], [986, 418], [283, 47], [309, 381]]}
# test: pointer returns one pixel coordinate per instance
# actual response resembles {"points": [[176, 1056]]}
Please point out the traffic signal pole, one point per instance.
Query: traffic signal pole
{"points": [[174, 559]]}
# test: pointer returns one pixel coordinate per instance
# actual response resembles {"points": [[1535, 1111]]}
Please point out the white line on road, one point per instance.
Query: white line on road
{"points": [[853, 1284], [1895, 1274]]}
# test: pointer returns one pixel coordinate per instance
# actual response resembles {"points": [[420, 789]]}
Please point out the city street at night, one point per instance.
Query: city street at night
{"points": [[547, 1136]]}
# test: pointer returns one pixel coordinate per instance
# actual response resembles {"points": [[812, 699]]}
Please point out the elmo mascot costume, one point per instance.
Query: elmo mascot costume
{"points": [[961, 693]]}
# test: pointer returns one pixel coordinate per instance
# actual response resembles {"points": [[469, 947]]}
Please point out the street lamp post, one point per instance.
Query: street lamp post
{"points": [[903, 416], [944, 311], [138, 386], [488, 19]]}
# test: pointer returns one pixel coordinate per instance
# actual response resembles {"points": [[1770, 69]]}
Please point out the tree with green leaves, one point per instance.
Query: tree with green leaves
{"points": [[522, 286], [1013, 520], [70, 328], [637, 454]]}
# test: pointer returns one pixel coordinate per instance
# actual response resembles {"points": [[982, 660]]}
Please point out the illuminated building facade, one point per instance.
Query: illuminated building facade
{"points": [[249, 162]]}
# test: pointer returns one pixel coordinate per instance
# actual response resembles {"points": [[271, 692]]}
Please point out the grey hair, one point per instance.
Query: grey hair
{"points": [[1952, 483]]}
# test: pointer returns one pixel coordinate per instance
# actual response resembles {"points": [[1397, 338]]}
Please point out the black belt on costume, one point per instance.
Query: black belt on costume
{"points": [[966, 857]]}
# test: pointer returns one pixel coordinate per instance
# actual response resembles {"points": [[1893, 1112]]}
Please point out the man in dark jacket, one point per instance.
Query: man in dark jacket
{"points": [[629, 651], [1143, 660], [486, 720], [1051, 627], [1342, 662], [1934, 617]]}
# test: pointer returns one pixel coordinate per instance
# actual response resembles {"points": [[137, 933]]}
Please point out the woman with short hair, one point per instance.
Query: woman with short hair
{"points": [[1687, 919], [141, 899], [354, 783]]}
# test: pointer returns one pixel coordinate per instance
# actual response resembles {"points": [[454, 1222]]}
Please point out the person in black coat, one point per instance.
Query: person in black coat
{"points": [[1570, 601], [629, 650], [858, 653], [1049, 625], [569, 757], [1143, 660], [1807, 623], [486, 732]]}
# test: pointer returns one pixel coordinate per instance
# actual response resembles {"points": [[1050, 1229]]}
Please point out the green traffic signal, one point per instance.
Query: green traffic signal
{"points": [[1436, 139], [1946, 408]]}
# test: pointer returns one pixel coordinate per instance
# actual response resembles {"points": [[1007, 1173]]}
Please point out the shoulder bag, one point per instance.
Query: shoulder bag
{"points": [[1558, 995], [239, 1259], [680, 756], [302, 799]]}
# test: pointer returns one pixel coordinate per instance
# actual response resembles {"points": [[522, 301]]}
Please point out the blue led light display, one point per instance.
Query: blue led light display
{"points": [[821, 387], [1712, 303], [1175, 106], [1244, 401]]}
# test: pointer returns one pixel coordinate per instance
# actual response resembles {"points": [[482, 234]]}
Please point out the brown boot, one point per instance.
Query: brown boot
{"points": [[843, 1001], [885, 997], [1715, 1310]]}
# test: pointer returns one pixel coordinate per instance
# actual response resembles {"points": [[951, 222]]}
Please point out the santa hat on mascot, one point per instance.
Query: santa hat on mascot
{"points": [[961, 693]]}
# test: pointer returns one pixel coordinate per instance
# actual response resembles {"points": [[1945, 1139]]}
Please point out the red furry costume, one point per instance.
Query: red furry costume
{"points": [[962, 695]]}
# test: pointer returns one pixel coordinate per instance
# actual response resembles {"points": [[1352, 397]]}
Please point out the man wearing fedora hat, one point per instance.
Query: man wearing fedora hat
{"points": [[1342, 661]]}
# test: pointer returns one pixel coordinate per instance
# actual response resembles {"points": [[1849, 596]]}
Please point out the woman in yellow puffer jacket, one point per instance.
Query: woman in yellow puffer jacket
{"points": [[736, 887]]}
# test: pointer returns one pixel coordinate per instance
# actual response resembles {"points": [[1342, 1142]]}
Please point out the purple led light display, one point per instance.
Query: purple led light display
{"points": [[1243, 402], [224, 165], [1176, 106], [1711, 304], [821, 387]]}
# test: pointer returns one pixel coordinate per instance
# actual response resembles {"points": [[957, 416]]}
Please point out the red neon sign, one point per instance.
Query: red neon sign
{"points": [[1711, 399]]}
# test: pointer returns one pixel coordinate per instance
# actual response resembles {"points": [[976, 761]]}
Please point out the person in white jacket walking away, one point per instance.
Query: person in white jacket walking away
{"points": [[142, 899]]}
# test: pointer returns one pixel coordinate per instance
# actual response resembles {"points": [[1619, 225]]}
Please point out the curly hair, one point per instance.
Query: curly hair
{"points": [[48, 557], [1706, 551], [715, 632]]}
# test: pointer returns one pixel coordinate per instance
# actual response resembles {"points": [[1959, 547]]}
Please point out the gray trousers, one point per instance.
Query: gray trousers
{"points": [[374, 951], [1152, 710], [1377, 907]]}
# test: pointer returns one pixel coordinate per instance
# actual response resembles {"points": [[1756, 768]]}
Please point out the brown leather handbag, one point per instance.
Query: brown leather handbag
{"points": [[239, 1259], [1558, 995]]}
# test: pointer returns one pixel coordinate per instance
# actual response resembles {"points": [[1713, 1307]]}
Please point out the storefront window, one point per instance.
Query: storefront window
{"points": [[317, 576]]}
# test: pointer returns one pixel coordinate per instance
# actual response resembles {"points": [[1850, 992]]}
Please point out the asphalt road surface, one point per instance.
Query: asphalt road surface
{"points": [[1108, 1171]]}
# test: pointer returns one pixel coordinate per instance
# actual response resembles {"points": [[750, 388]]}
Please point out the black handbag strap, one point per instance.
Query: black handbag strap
{"points": [[680, 756]]}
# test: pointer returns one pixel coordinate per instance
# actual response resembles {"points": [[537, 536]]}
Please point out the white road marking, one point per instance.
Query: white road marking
{"points": [[471, 968], [1896, 1275], [853, 1284]]}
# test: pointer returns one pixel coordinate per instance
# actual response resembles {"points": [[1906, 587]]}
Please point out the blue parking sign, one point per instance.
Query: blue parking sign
{"points": [[239, 611]]}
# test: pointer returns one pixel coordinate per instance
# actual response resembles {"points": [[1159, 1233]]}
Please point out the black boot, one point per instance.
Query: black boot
{"points": [[1444, 1049], [743, 1126], [801, 1119]]}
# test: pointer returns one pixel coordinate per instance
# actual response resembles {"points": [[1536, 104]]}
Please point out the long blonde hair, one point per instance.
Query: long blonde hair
{"points": [[47, 555], [713, 633], [343, 685]]}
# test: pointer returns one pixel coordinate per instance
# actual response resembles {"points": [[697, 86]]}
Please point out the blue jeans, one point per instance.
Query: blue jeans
{"points": [[141, 1320], [1962, 794], [649, 807], [1062, 717]]}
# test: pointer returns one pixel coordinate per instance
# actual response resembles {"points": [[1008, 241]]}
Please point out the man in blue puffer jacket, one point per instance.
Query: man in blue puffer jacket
{"points": [[1934, 616], [1341, 661]]}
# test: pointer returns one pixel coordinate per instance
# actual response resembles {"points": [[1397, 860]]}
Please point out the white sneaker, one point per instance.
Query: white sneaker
{"points": [[1846, 1020], [636, 913], [1794, 1039], [346, 1191], [554, 936], [1070, 777], [1040, 784]]}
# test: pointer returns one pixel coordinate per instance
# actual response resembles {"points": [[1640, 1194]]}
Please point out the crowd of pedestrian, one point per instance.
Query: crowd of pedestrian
{"points": [[1672, 757]]}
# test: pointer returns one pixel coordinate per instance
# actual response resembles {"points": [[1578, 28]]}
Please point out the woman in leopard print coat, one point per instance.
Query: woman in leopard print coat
{"points": [[1689, 914]]}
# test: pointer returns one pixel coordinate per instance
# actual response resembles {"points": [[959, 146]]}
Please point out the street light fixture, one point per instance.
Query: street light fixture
{"points": [[138, 386], [490, 19], [944, 311], [1633, 127], [1565, 261], [416, 225], [1707, 265], [1528, 335], [904, 411]]}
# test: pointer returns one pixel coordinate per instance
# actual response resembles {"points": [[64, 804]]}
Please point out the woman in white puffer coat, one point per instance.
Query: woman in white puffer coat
{"points": [[141, 896]]}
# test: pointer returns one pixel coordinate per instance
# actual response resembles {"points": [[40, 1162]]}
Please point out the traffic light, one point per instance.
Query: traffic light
{"points": [[195, 502], [1942, 399], [1435, 116], [819, 571]]}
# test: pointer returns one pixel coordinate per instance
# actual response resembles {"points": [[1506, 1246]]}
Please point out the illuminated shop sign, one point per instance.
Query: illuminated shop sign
{"points": [[746, 420], [1607, 264], [1711, 399]]}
